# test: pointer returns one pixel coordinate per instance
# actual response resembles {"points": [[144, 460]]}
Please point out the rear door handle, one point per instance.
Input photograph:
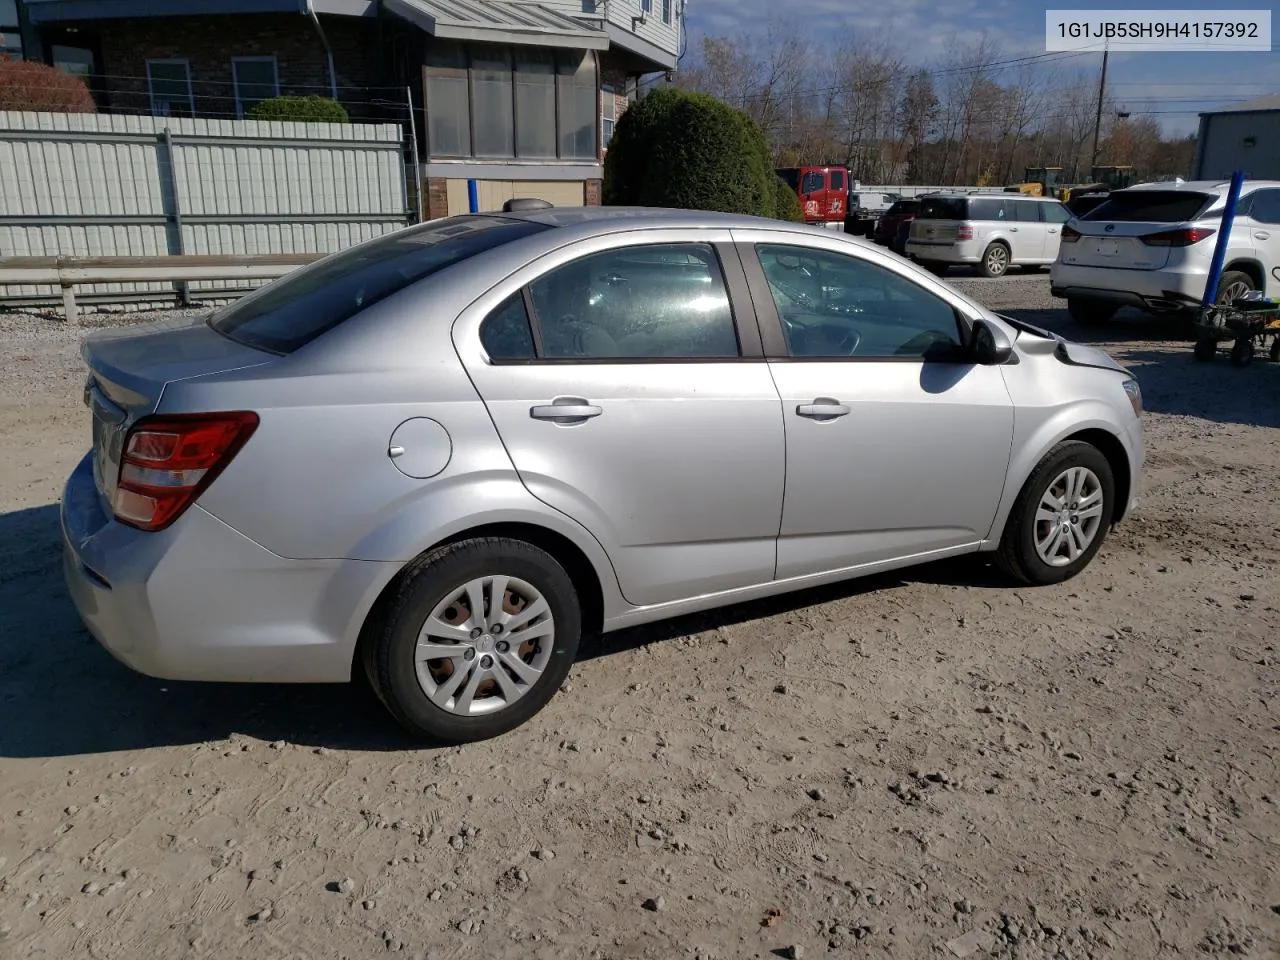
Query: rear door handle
{"points": [[566, 410], [1052, 230], [823, 408]]}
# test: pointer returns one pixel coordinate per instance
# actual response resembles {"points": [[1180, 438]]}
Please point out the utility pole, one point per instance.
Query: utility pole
{"points": [[1097, 120]]}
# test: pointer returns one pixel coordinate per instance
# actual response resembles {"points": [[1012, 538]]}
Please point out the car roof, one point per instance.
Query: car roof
{"points": [[1202, 186], [1005, 194], [655, 218]]}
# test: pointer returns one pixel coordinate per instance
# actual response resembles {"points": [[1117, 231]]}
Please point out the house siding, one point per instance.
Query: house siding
{"points": [[666, 36], [1221, 151]]}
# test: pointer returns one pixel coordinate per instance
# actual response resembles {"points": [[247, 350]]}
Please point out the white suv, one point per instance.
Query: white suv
{"points": [[1150, 246], [990, 231]]}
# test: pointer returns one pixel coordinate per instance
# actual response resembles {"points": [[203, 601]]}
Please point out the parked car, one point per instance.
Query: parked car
{"points": [[993, 232], [887, 227], [448, 457], [865, 209], [1151, 246]]}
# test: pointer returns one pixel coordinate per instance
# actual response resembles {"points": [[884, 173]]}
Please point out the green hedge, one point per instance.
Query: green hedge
{"points": [[299, 110], [688, 150]]}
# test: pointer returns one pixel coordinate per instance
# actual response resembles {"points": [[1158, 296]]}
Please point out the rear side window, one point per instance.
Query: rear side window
{"points": [[299, 307], [1151, 206], [943, 208], [990, 208]]}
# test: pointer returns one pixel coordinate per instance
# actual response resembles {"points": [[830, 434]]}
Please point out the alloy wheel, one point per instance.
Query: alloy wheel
{"points": [[1069, 516]]}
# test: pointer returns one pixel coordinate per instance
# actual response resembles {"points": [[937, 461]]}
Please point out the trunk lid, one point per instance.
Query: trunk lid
{"points": [[1111, 234], [129, 369], [934, 231]]}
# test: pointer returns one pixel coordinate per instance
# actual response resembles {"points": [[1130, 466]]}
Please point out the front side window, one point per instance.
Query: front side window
{"points": [[813, 183], [837, 179], [1027, 211], [658, 301], [256, 80], [1266, 206], [833, 306]]}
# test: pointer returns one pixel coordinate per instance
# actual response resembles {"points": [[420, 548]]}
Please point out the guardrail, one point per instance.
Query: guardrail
{"points": [[67, 272]]}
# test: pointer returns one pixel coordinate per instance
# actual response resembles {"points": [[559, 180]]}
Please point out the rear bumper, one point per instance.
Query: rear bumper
{"points": [[1148, 289], [963, 251], [200, 601]]}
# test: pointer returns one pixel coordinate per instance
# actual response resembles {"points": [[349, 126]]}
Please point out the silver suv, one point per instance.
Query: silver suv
{"points": [[449, 456], [992, 231]]}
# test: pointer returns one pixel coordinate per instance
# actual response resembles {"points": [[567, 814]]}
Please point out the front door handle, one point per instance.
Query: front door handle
{"points": [[823, 408], [566, 410], [1262, 235], [1053, 230]]}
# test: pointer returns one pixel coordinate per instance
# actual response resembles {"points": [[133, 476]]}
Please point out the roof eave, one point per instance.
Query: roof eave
{"points": [[514, 37]]}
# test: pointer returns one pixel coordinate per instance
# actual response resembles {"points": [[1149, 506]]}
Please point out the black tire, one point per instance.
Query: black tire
{"points": [[1001, 262], [1242, 353], [1017, 555], [389, 656], [1232, 278], [1091, 313], [1206, 350]]}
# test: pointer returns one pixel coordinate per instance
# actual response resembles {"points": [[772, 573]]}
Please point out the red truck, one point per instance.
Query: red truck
{"points": [[823, 193]]}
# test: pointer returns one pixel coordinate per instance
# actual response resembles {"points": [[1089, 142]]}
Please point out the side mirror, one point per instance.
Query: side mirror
{"points": [[988, 346]]}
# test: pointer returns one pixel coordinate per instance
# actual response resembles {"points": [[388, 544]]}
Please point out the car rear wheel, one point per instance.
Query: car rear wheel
{"points": [[1061, 516], [995, 260], [1233, 285], [1090, 313], [478, 639]]}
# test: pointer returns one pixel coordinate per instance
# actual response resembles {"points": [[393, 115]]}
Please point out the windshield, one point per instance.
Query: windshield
{"points": [[292, 311], [942, 208], [1151, 206]]}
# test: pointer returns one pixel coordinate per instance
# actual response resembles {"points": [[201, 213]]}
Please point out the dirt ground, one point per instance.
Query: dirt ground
{"points": [[926, 765]]}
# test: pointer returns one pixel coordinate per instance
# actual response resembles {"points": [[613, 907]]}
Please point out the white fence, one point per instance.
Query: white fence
{"points": [[916, 191], [109, 186]]}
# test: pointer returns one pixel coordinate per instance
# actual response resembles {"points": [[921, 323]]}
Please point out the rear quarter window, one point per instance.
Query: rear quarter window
{"points": [[290, 312], [1151, 206]]}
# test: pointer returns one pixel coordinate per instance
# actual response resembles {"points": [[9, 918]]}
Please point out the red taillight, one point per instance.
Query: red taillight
{"points": [[1183, 237], [1070, 234], [168, 461], [964, 232]]}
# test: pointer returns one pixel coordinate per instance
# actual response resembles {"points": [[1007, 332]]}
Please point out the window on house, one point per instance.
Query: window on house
{"points": [[10, 36], [448, 101], [256, 80], [169, 82], [608, 112], [646, 6], [535, 104], [487, 101], [666, 11], [579, 94], [491, 102]]}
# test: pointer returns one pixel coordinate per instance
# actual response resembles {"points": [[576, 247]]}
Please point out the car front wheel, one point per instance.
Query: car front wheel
{"points": [[1061, 516], [478, 639]]}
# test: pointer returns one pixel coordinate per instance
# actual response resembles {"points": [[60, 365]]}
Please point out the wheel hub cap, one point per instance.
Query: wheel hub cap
{"points": [[460, 663], [1069, 516]]}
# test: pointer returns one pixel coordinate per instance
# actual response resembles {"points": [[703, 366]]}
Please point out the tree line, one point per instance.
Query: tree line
{"points": [[976, 118]]}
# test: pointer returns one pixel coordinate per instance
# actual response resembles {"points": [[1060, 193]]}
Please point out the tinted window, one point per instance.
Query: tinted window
{"points": [[813, 182], [990, 208], [506, 334], [1054, 212], [1027, 211], [837, 179], [942, 208], [292, 311], [791, 176], [835, 306], [1151, 206], [655, 301], [903, 207], [1266, 206]]}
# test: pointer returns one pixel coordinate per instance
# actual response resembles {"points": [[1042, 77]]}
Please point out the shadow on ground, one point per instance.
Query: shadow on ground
{"points": [[62, 694]]}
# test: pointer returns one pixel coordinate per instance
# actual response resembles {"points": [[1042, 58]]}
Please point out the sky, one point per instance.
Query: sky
{"points": [[1171, 87]]}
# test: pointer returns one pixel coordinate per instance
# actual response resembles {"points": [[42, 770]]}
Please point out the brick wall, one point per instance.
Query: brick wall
{"points": [[209, 43]]}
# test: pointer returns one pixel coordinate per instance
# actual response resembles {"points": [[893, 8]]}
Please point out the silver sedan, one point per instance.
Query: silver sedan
{"points": [[449, 457]]}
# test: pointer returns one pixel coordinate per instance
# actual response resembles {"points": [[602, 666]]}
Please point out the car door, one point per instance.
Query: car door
{"points": [[630, 391], [1053, 216], [1027, 231], [896, 446], [1265, 213]]}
